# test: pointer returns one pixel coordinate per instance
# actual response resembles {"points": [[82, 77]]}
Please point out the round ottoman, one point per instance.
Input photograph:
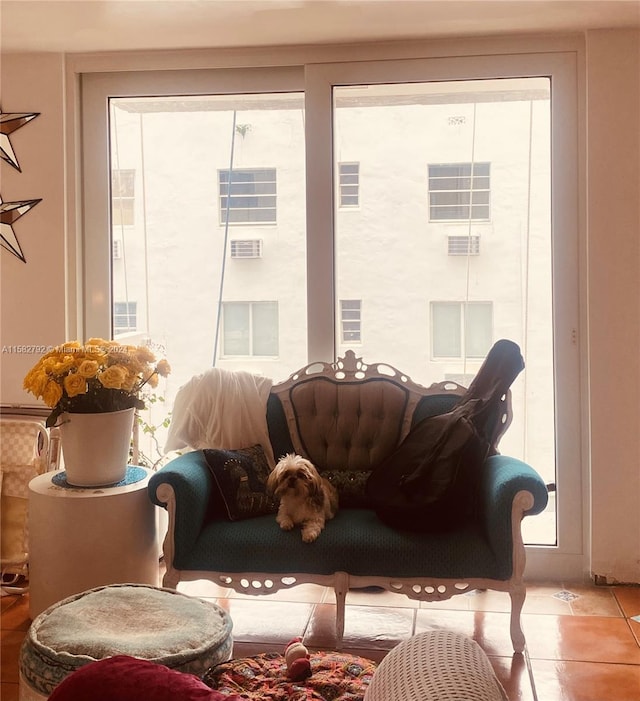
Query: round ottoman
{"points": [[438, 666], [161, 625]]}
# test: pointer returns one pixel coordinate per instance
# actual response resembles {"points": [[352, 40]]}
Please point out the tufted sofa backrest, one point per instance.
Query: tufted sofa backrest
{"points": [[349, 416]]}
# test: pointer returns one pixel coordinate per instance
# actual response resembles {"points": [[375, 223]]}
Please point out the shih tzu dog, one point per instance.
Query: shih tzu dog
{"points": [[306, 498]]}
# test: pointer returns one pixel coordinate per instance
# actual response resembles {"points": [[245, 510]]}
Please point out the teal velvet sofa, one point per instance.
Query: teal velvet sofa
{"points": [[346, 418]]}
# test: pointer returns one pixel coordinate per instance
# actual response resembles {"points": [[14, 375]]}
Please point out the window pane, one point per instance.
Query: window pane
{"points": [[237, 330], [178, 261], [450, 250], [478, 329], [446, 330], [265, 328], [448, 198]]}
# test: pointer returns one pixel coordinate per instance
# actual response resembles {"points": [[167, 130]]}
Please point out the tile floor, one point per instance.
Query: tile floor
{"points": [[583, 642]]}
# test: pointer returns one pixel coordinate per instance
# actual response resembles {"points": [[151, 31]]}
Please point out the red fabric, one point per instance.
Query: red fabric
{"points": [[124, 678]]}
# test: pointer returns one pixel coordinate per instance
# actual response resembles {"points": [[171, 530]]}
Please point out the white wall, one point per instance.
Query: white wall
{"points": [[613, 209], [33, 294], [32, 311]]}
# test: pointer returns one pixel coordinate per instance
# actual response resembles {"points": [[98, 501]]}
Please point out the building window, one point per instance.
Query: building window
{"points": [[122, 197], [247, 196], [351, 320], [125, 317], [250, 329], [461, 329], [349, 184], [454, 193]]}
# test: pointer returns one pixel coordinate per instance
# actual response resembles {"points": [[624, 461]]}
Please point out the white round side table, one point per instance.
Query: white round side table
{"points": [[86, 537]]}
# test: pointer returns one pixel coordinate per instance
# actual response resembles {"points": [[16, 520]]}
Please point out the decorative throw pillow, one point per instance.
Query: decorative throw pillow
{"points": [[351, 486], [124, 678], [241, 481]]}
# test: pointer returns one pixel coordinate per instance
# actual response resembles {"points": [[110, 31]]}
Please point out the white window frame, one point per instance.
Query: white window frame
{"points": [[315, 72]]}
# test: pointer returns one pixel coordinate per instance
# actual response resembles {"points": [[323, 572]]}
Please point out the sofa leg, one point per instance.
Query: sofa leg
{"points": [[517, 595], [171, 578], [341, 587]]}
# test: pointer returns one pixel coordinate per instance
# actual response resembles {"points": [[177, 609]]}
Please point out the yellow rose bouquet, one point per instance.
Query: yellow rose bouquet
{"points": [[97, 377]]}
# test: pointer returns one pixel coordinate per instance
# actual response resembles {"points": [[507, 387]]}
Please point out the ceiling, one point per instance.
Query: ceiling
{"points": [[115, 25]]}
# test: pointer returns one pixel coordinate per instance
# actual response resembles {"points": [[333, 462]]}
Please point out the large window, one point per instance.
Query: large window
{"points": [[451, 153]]}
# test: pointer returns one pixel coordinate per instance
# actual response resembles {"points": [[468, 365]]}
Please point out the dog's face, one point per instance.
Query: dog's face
{"points": [[294, 475]]}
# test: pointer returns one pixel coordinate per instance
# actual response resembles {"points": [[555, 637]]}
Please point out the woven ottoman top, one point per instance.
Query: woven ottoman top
{"points": [[439, 665], [160, 625]]}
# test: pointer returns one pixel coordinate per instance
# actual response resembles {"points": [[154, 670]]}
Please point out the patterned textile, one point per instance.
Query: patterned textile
{"points": [[23, 456], [351, 486], [334, 677], [241, 481]]}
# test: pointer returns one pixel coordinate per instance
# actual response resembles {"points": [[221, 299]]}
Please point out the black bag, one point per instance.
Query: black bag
{"points": [[430, 482]]}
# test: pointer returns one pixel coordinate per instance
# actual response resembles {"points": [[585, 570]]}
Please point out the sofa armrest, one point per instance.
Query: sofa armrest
{"points": [[503, 478], [191, 481]]}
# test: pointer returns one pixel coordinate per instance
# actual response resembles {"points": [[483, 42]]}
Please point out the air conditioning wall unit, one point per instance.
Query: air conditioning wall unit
{"points": [[246, 248], [463, 245]]}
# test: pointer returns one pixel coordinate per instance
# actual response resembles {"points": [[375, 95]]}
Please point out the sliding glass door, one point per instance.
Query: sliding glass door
{"points": [[443, 238], [414, 211]]}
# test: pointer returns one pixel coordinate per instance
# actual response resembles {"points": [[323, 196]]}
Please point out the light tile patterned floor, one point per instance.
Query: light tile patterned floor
{"points": [[583, 643]]}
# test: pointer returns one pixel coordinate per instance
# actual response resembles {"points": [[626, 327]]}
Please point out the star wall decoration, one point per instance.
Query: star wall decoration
{"points": [[10, 212], [10, 122]]}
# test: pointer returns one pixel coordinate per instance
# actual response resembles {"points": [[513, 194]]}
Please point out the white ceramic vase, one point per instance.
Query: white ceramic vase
{"points": [[95, 447]]}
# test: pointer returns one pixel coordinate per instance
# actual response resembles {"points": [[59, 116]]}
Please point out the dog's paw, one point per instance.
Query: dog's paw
{"points": [[310, 534], [286, 524]]}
